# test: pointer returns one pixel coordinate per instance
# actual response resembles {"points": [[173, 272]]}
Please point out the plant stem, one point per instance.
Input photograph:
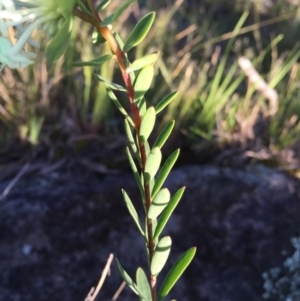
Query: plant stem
{"points": [[95, 20]]}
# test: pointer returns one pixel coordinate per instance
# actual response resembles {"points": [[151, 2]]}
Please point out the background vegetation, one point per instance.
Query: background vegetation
{"points": [[224, 111]]}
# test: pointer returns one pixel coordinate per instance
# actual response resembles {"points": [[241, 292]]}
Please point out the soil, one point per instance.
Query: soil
{"points": [[58, 229]]}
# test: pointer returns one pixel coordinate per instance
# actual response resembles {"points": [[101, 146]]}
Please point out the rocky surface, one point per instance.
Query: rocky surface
{"points": [[56, 232]]}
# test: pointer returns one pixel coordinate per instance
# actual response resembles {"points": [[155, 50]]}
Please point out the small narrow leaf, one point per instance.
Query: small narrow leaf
{"points": [[164, 134], [112, 18], [102, 5], [164, 172], [131, 140], [147, 124], [97, 38], [113, 97], [109, 84], [161, 255], [138, 64], [135, 172], [143, 284], [152, 164], [139, 32], [147, 148], [168, 212], [175, 272], [132, 211], [159, 203], [143, 81], [95, 62], [163, 103], [130, 282]]}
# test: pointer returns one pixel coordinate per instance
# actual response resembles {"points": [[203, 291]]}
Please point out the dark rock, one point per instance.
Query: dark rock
{"points": [[57, 232]]}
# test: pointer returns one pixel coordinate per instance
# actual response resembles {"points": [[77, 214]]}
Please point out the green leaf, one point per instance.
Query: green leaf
{"points": [[168, 212], [147, 124], [102, 5], [97, 38], [135, 172], [175, 272], [131, 140], [141, 103], [59, 43], [112, 18], [143, 81], [109, 84], [130, 282], [132, 211], [152, 164], [143, 284], [163, 103], [161, 255], [65, 7], [139, 32], [95, 62], [138, 64], [159, 203], [164, 134], [164, 172], [113, 97]]}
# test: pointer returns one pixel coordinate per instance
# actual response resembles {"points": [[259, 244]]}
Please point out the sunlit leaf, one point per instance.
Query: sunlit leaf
{"points": [[164, 172], [159, 203], [97, 38], [143, 81], [152, 164], [175, 272], [168, 212], [138, 64], [95, 62], [147, 124], [164, 102], [140, 31], [143, 284], [161, 255], [164, 134]]}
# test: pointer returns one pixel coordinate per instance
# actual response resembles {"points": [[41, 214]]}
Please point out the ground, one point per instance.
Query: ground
{"points": [[58, 229]]}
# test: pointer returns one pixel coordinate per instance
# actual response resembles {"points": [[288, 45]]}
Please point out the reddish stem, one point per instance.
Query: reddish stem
{"points": [[95, 20]]}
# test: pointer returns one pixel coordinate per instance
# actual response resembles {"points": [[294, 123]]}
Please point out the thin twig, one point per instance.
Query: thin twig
{"points": [[14, 181], [94, 292], [118, 292]]}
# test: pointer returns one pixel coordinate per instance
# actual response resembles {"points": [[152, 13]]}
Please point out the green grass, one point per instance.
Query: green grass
{"points": [[216, 103]]}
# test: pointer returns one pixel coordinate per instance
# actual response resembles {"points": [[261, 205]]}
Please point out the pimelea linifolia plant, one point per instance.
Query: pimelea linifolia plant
{"points": [[55, 17]]}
